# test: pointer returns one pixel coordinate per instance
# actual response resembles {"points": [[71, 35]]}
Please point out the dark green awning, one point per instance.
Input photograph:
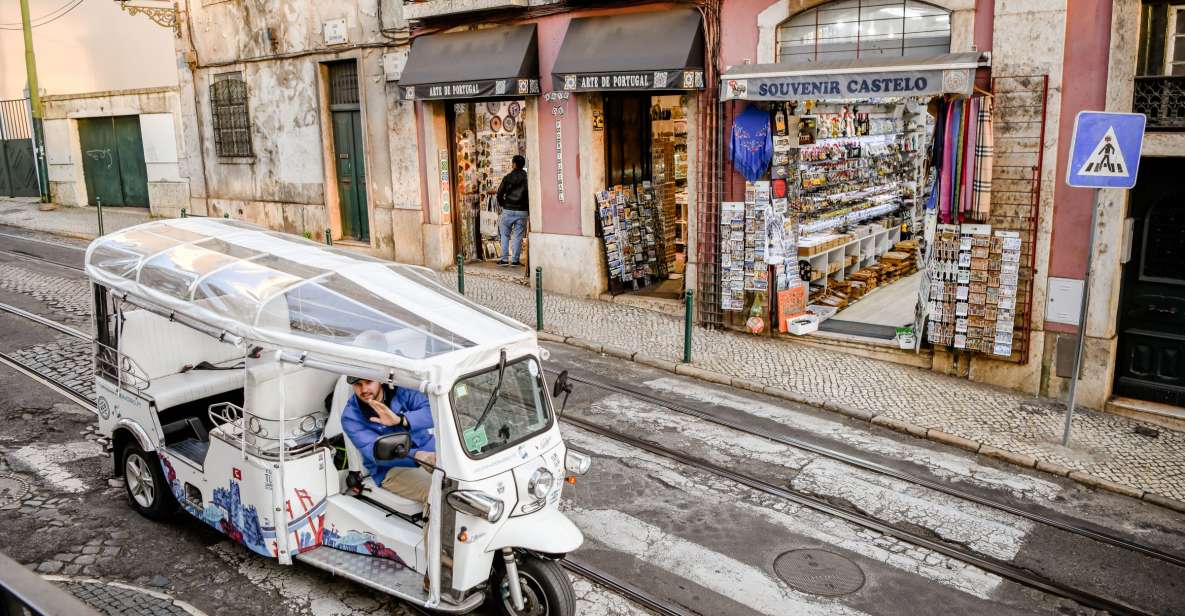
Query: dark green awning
{"points": [[501, 61], [661, 50]]}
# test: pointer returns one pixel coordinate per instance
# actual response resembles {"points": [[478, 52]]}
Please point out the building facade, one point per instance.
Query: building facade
{"points": [[390, 124], [111, 133]]}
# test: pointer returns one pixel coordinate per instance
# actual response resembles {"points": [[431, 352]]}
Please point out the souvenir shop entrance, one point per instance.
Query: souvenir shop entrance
{"points": [[484, 137], [642, 211], [639, 71], [480, 81], [859, 213]]}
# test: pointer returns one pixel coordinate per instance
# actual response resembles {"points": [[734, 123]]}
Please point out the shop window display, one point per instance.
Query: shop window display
{"points": [[835, 225], [486, 137]]}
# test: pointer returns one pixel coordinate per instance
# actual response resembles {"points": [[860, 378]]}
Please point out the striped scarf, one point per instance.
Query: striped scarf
{"points": [[981, 179]]}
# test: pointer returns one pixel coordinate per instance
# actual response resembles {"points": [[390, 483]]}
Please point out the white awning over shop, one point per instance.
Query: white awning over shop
{"points": [[952, 73]]}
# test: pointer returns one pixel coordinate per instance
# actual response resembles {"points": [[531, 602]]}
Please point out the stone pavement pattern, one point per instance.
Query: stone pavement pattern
{"points": [[1104, 445], [120, 600]]}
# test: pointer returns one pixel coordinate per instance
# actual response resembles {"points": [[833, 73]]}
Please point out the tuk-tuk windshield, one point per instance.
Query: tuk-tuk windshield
{"points": [[518, 412]]}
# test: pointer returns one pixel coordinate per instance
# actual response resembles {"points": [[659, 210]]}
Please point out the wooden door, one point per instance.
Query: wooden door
{"points": [[1151, 359]]}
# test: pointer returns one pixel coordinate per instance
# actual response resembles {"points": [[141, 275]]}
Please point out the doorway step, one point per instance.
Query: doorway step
{"points": [[1166, 415]]}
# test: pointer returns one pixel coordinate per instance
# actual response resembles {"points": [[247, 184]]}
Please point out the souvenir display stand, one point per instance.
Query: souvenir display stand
{"points": [[629, 223]]}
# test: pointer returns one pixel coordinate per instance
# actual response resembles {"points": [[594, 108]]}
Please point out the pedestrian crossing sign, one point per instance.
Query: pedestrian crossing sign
{"points": [[1105, 149]]}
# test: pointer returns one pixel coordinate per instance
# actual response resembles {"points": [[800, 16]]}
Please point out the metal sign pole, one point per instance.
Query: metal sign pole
{"points": [[1082, 313]]}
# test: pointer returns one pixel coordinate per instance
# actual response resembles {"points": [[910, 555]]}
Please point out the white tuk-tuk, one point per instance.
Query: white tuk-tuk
{"points": [[221, 356]]}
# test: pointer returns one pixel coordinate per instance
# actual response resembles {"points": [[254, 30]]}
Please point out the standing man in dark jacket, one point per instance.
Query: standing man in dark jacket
{"points": [[512, 196]]}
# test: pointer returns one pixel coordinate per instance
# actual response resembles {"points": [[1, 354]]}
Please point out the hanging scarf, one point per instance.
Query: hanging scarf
{"points": [[968, 177], [950, 159], [752, 146], [981, 185], [957, 170]]}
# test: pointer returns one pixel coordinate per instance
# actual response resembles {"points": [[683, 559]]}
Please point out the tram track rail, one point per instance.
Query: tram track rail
{"points": [[1008, 571], [884, 470], [574, 565]]}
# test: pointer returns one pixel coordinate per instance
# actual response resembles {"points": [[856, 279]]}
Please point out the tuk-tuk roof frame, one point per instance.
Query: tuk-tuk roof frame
{"points": [[442, 333]]}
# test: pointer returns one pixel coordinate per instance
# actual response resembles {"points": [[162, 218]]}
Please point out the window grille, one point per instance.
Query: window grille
{"points": [[343, 84], [232, 122], [851, 29]]}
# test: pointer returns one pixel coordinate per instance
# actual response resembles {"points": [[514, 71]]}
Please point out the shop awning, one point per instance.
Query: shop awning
{"points": [[663, 50], [501, 61], [952, 73]]}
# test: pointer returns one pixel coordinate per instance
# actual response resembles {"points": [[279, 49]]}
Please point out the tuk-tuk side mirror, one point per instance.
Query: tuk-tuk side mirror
{"points": [[392, 446], [561, 385]]}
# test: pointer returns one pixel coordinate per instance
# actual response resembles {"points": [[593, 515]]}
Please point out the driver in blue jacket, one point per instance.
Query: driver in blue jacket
{"points": [[376, 410]]}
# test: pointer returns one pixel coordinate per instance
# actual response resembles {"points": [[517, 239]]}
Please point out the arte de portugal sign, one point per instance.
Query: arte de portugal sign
{"points": [[1105, 150]]}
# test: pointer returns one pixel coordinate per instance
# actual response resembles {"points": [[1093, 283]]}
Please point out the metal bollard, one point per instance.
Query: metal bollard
{"points": [[183, 213], [328, 238], [687, 326], [460, 274], [538, 299], [99, 207]]}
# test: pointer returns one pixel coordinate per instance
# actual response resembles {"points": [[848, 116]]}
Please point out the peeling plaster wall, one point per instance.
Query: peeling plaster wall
{"points": [[289, 183]]}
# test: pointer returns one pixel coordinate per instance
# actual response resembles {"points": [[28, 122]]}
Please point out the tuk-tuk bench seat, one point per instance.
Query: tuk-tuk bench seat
{"points": [[177, 389]]}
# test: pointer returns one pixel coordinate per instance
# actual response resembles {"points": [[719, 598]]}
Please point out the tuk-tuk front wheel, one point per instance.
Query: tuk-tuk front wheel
{"points": [[546, 589], [148, 491]]}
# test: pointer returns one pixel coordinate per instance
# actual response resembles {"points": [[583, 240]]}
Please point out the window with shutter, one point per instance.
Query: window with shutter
{"points": [[232, 122]]}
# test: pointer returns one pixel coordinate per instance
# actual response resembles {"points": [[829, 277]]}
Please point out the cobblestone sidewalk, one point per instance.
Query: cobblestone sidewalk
{"points": [[80, 222], [1107, 450]]}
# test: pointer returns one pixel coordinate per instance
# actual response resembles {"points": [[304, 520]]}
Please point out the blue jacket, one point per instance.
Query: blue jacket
{"points": [[363, 432]]}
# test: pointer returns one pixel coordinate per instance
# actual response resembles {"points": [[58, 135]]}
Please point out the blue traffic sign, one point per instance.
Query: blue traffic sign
{"points": [[1105, 150]]}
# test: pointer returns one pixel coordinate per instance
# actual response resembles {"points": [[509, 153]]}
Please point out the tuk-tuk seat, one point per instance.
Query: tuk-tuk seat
{"points": [[341, 395], [177, 389]]}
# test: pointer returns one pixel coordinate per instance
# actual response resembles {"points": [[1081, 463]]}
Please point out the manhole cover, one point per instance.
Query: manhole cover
{"points": [[12, 488], [819, 572]]}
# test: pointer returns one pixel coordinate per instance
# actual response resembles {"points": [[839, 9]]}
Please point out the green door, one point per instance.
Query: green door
{"points": [[133, 173], [351, 173], [113, 161]]}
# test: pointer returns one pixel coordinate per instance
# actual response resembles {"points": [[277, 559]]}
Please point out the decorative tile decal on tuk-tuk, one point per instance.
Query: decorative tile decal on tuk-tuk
{"points": [[228, 514], [359, 543]]}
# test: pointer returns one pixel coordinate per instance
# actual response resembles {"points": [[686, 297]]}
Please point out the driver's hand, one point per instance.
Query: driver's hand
{"points": [[386, 416], [427, 457]]}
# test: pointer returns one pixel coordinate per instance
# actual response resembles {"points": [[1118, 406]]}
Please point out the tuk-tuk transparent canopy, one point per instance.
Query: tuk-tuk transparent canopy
{"points": [[270, 282]]}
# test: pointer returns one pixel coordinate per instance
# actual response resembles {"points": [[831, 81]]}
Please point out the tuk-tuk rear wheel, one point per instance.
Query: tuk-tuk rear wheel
{"points": [[547, 590], [149, 493]]}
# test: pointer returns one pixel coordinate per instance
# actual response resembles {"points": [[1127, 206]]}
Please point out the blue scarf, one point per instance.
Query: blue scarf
{"points": [[752, 146]]}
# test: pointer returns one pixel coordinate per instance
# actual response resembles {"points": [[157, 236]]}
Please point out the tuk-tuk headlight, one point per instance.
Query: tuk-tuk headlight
{"points": [[540, 483], [577, 463], [475, 503]]}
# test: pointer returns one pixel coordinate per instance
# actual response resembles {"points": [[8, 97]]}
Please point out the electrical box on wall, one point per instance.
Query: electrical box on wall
{"points": [[335, 32], [1064, 300]]}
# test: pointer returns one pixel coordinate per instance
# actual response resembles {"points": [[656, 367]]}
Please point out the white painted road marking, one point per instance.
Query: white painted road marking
{"points": [[795, 519], [942, 464], [46, 462], [722, 574]]}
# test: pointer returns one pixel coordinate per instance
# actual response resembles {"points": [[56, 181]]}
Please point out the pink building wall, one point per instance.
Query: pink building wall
{"points": [[1084, 87]]}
